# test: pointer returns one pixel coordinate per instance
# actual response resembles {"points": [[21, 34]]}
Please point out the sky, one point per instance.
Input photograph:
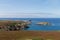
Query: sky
{"points": [[29, 8]]}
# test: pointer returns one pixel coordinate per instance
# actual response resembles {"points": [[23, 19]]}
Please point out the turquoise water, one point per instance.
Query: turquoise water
{"points": [[54, 21]]}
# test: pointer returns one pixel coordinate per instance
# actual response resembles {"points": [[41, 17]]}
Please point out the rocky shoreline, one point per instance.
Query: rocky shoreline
{"points": [[10, 25]]}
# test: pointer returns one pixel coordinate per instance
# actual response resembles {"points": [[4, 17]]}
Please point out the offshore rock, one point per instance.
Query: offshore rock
{"points": [[43, 23]]}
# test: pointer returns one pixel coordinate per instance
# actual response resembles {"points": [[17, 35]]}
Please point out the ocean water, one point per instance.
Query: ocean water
{"points": [[54, 21]]}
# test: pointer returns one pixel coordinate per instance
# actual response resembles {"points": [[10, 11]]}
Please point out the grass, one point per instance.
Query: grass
{"points": [[24, 35], [37, 39]]}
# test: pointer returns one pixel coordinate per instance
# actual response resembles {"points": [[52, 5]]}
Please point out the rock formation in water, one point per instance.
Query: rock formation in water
{"points": [[43, 23]]}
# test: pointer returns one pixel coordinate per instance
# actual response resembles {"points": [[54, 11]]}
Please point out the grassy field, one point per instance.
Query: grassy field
{"points": [[29, 35]]}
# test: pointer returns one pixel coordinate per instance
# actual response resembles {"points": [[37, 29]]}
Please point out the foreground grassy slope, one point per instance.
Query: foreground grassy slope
{"points": [[19, 35]]}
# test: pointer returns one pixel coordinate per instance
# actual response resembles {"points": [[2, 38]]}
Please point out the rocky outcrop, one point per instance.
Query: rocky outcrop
{"points": [[14, 25], [43, 23]]}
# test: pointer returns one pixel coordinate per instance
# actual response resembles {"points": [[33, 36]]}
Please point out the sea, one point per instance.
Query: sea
{"points": [[33, 26]]}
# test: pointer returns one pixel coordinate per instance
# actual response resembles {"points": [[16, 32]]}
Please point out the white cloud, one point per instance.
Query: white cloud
{"points": [[26, 15]]}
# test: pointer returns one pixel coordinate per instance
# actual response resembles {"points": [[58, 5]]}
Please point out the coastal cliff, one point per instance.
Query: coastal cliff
{"points": [[14, 25]]}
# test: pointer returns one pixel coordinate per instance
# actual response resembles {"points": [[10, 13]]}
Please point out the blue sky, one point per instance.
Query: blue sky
{"points": [[29, 8]]}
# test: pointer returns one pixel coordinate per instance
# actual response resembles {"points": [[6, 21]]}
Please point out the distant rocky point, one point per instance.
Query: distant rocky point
{"points": [[11, 25]]}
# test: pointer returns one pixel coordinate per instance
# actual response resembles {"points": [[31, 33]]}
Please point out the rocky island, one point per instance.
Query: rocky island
{"points": [[43, 23]]}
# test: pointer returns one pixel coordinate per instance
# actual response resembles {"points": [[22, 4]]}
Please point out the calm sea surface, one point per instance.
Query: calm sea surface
{"points": [[54, 21]]}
